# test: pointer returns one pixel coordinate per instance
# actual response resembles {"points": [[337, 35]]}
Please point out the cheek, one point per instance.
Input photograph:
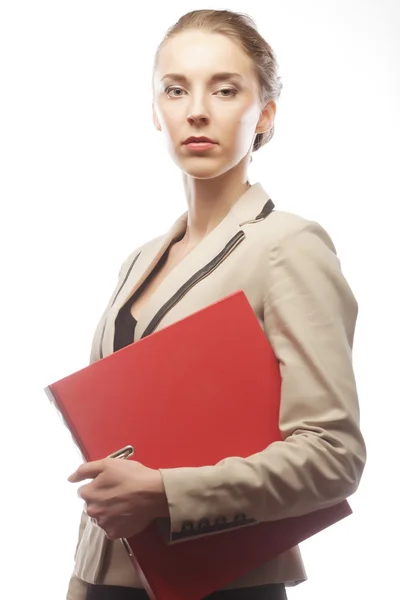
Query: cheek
{"points": [[238, 116], [249, 116], [237, 127], [246, 124], [171, 120]]}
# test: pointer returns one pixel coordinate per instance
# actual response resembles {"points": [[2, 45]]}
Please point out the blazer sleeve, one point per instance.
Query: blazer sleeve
{"points": [[310, 314], [77, 588]]}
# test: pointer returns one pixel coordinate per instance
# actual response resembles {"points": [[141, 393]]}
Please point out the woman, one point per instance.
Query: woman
{"points": [[216, 77]]}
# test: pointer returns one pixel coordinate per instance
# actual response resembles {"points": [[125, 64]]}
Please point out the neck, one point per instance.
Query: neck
{"points": [[210, 200]]}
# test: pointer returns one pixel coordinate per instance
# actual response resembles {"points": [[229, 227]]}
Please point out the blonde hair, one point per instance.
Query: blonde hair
{"points": [[242, 29]]}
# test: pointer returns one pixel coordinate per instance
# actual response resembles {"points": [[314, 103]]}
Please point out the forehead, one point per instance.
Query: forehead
{"points": [[195, 53]]}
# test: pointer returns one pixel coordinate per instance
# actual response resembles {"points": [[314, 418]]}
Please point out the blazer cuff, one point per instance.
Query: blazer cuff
{"points": [[193, 496]]}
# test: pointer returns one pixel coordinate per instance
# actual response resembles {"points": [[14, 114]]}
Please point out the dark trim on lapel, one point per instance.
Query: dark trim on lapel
{"points": [[245, 212], [206, 270], [126, 277], [267, 209]]}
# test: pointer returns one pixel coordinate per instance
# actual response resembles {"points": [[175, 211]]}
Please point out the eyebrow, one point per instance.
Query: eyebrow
{"points": [[215, 77]]}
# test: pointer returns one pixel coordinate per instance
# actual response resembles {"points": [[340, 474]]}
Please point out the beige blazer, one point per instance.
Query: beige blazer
{"points": [[288, 268]]}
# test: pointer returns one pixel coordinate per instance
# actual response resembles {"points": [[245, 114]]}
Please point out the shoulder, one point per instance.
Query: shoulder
{"points": [[295, 251], [283, 230], [300, 261]]}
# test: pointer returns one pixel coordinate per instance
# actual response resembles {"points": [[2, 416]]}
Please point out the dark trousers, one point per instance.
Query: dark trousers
{"points": [[271, 591]]}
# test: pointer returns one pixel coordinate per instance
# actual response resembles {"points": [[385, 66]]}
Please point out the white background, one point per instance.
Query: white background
{"points": [[79, 156]]}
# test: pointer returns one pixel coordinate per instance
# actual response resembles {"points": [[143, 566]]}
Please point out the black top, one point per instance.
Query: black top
{"points": [[125, 323], [124, 327], [269, 591]]}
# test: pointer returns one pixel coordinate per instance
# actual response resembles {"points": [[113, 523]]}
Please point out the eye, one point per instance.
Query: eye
{"points": [[170, 89], [232, 90], [173, 89]]}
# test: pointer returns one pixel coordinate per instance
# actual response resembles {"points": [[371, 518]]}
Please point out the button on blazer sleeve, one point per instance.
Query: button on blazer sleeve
{"points": [[309, 315]]}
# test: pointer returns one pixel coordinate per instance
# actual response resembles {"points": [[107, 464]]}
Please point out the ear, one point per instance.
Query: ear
{"points": [[155, 119], [267, 117]]}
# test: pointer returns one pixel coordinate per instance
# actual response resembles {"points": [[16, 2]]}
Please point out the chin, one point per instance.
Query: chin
{"points": [[205, 173], [202, 167]]}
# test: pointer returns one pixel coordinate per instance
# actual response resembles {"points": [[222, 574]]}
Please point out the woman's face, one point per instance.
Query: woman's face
{"points": [[189, 101]]}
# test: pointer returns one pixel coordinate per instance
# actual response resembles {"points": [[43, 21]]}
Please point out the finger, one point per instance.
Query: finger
{"points": [[87, 471], [83, 492]]}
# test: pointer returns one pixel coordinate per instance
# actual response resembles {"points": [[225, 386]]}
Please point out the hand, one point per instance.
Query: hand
{"points": [[124, 496]]}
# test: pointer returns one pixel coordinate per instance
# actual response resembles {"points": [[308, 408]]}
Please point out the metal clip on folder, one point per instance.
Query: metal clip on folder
{"points": [[124, 453]]}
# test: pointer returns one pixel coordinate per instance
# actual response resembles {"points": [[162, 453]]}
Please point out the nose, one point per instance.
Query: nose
{"points": [[197, 118], [198, 114]]}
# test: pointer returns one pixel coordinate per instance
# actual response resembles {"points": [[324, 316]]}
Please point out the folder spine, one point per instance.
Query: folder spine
{"points": [[63, 415]]}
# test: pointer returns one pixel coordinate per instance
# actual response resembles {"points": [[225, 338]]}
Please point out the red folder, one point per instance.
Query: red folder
{"points": [[193, 393]]}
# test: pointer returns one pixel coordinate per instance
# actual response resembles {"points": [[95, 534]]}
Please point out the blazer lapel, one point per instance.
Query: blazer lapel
{"points": [[193, 267], [141, 269], [196, 265]]}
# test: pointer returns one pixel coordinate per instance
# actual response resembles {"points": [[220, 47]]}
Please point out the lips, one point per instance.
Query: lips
{"points": [[198, 140]]}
